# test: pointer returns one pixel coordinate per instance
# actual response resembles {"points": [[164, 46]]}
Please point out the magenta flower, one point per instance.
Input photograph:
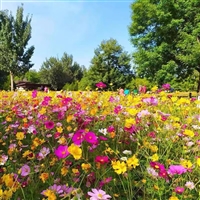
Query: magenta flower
{"points": [[25, 170], [176, 169], [34, 94], [98, 195], [78, 137], [157, 165], [101, 85], [166, 86], [102, 159], [61, 151], [91, 138], [49, 125], [179, 190]]}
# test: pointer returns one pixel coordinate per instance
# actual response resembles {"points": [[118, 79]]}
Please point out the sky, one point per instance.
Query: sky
{"points": [[73, 26]]}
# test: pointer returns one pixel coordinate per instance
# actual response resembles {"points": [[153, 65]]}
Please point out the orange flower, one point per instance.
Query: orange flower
{"points": [[44, 176]]}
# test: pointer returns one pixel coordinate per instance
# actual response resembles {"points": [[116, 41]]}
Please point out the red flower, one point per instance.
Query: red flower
{"points": [[102, 159]]}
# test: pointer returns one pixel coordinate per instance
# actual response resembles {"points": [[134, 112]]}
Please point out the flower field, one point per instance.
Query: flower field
{"points": [[99, 145]]}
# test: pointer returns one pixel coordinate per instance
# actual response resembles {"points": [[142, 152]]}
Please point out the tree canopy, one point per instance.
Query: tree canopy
{"points": [[15, 34], [166, 37], [58, 72], [110, 65]]}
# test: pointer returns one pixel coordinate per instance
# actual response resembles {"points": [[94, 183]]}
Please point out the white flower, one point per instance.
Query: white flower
{"points": [[103, 131], [190, 185], [124, 158], [127, 152]]}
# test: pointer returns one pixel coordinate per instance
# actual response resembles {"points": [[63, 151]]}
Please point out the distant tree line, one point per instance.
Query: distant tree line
{"points": [[164, 34]]}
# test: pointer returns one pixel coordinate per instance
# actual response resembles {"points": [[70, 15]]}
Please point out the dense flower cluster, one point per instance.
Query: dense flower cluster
{"points": [[99, 145]]}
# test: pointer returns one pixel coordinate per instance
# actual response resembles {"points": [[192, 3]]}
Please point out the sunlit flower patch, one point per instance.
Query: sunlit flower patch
{"points": [[99, 145]]}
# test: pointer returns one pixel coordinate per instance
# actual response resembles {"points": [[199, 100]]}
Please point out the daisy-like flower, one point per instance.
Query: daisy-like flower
{"points": [[102, 159], [61, 151], [190, 185], [75, 151], [100, 85], [119, 167], [176, 169], [91, 138], [98, 195], [25, 170], [179, 190]]}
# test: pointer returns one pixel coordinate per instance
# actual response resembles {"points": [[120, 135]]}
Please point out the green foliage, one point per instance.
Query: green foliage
{"points": [[85, 83], [33, 76], [136, 82], [14, 37], [165, 35], [3, 80], [58, 72], [110, 65], [71, 86]]}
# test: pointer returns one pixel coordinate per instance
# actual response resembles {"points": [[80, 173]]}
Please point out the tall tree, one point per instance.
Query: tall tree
{"points": [[111, 65], [164, 34], [15, 34], [58, 72]]}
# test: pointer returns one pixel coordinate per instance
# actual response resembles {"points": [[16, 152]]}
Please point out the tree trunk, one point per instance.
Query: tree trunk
{"points": [[11, 81]]}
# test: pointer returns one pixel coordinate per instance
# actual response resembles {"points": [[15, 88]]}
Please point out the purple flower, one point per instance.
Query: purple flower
{"points": [[176, 169], [25, 170]]}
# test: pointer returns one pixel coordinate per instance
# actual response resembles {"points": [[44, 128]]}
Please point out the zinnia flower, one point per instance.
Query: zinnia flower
{"points": [[61, 151], [98, 195]]}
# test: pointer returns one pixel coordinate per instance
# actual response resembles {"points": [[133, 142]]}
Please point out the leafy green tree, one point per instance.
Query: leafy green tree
{"points": [[110, 65], [58, 72], [3, 80], [15, 34], [136, 82], [165, 35], [33, 76]]}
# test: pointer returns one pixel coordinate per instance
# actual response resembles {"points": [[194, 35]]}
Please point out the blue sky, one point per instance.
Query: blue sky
{"points": [[74, 27]]}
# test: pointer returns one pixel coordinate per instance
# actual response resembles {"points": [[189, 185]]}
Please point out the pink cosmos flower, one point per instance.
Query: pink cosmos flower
{"points": [[49, 124], [25, 170], [78, 137], [100, 85], [98, 195], [102, 159], [179, 190], [176, 169], [91, 138], [61, 151], [157, 165], [166, 86], [34, 94]]}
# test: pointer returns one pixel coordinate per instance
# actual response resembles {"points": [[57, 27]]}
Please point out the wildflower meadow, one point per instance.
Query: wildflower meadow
{"points": [[97, 145]]}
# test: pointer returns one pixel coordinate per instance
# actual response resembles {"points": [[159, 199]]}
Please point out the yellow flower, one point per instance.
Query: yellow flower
{"points": [[8, 180], [75, 171], [132, 111], [69, 118], [20, 135], [129, 122], [188, 133], [64, 171], [44, 176], [75, 151], [173, 198], [154, 148], [132, 162], [85, 166], [7, 194], [198, 162], [59, 129], [119, 167], [42, 111], [93, 111], [50, 194], [8, 119], [153, 89], [154, 157], [186, 163], [62, 140]]}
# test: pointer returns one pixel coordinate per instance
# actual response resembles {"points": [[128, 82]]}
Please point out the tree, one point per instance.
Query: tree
{"points": [[110, 65], [33, 76], [58, 72], [164, 34], [14, 37]]}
